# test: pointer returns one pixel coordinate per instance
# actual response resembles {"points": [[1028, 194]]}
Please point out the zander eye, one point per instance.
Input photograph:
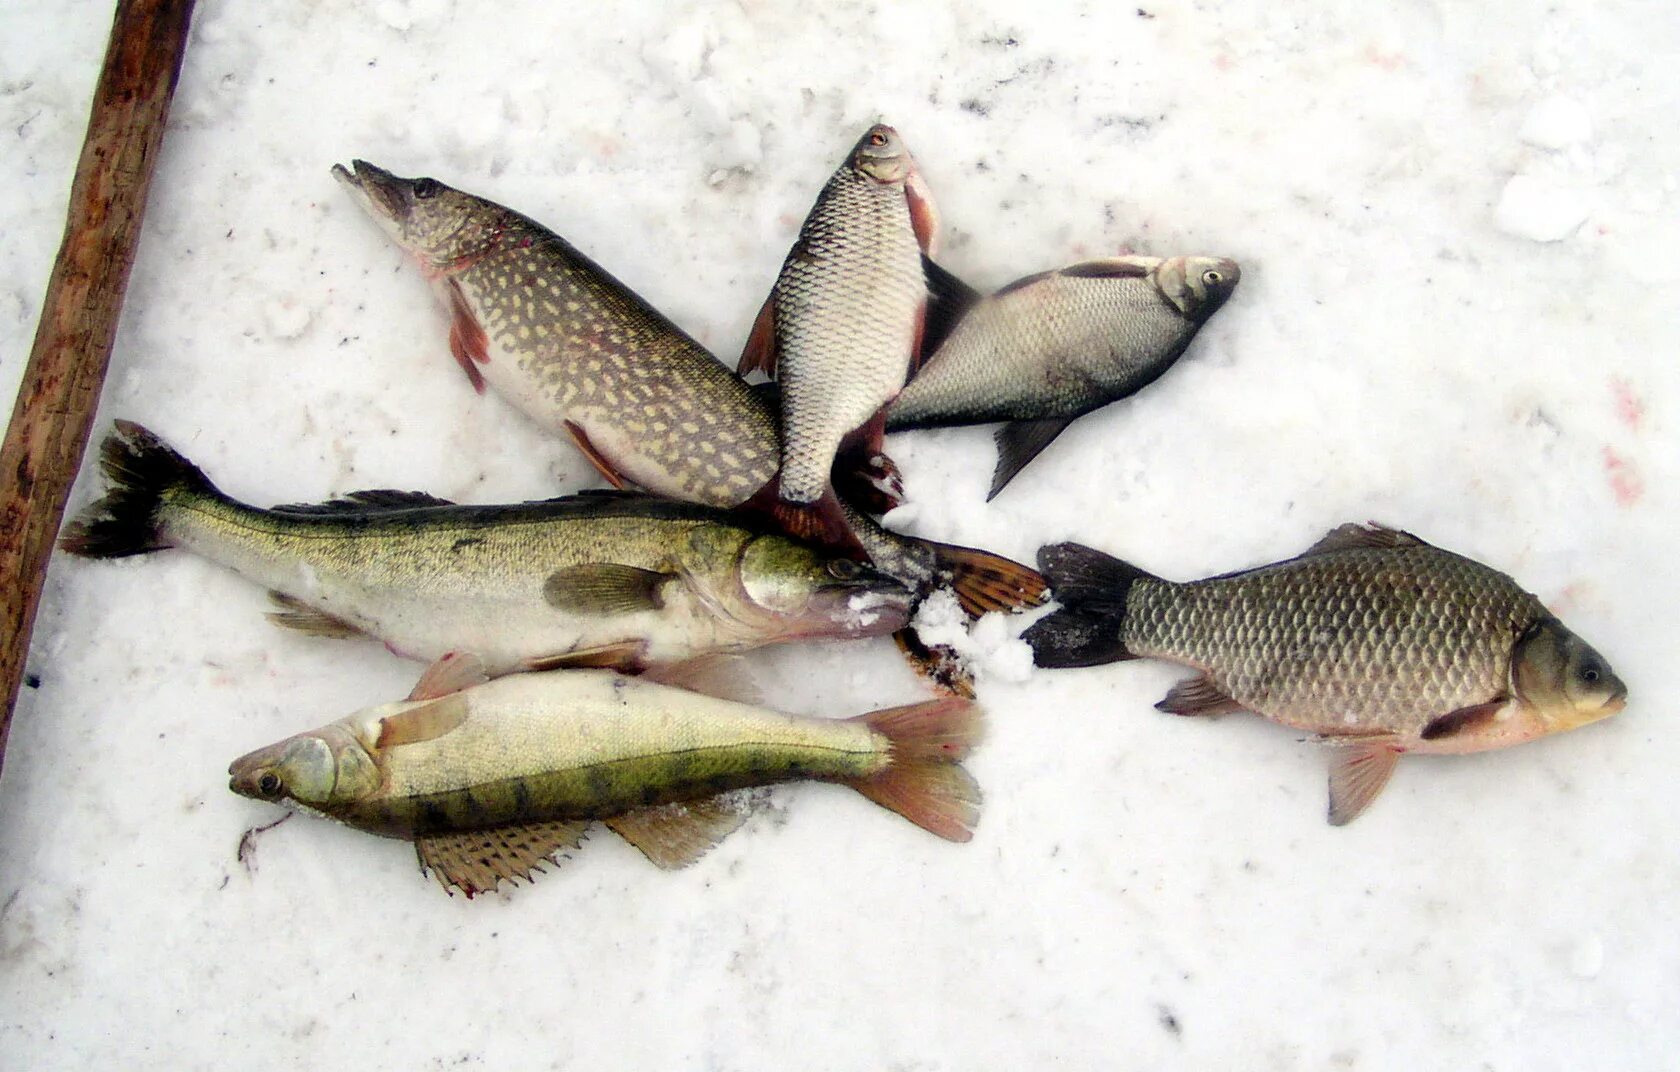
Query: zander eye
{"points": [[269, 784], [844, 569], [426, 188], [1212, 278]]}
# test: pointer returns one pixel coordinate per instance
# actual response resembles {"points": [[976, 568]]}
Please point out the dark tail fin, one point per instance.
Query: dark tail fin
{"points": [[925, 782], [141, 470], [1018, 443], [1092, 588], [987, 582]]}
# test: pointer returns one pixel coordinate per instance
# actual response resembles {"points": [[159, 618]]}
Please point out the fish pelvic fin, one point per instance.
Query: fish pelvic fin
{"points": [[936, 664], [761, 352], [581, 440], [672, 836], [1018, 443], [1198, 696], [477, 861], [467, 339], [1359, 770], [984, 582], [924, 781], [293, 613], [142, 472]]}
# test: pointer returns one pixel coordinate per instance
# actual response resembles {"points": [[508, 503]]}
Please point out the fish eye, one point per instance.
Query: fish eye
{"points": [[269, 784], [844, 569], [877, 139], [425, 188], [1212, 278], [1590, 674]]}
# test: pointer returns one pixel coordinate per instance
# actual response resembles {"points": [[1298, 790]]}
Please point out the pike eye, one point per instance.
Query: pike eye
{"points": [[844, 569], [1212, 278], [425, 188], [269, 784]]}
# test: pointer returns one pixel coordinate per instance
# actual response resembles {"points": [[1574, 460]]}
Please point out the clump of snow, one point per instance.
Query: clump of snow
{"points": [[1540, 209], [989, 648], [1557, 122]]}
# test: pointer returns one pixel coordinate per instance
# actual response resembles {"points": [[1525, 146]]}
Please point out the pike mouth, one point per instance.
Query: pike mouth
{"points": [[383, 194]]}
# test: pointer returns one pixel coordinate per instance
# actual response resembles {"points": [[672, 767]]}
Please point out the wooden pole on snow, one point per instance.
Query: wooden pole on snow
{"points": [[60, 389]]}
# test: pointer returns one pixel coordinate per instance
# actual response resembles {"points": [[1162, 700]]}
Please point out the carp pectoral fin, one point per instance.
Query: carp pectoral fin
{"points": [[676, 835], [427, 722], [1370, 534], [296, 614], [939, 665], [1197, 696], [449, 674], [1018, 443], [605, 588], [1464, 719], [581, 440], [1358, 772], [719, 675], [760, 353], [924, 215], [949, 300], [476, 861], [625, 657], [467, 340]]}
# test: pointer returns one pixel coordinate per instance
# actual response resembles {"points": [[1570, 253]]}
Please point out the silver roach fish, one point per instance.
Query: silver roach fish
{"points": [[844, 320], [1374, 640], [492, 780], [604, 579], [1050, 348]]}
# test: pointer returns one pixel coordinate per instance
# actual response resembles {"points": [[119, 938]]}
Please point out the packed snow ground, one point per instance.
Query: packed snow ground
{"points": [[1457, 226]]}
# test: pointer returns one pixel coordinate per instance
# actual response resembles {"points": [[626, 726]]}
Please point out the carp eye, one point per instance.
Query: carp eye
{"points": [[844, 569], [269, 784], [877, 139], [1212, 278], [426, 188]]}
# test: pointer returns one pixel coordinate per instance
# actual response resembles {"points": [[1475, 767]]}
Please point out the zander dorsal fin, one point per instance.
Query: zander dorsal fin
{"points": [[467, 340], [1197, 696], [427, 722], [760, 354], [1370, 534], [625, 656], [1018, 443], [295, 614], [605, 588], [1463, 720], [1359, 770], [372, 500], [675, 835], [449, 674], [476, 861]]}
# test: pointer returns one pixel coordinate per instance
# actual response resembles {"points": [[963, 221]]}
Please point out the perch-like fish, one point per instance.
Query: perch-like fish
{"points": [[491, 780], [1375, 640], [844, 320], [603, 579], [1047, 349]]}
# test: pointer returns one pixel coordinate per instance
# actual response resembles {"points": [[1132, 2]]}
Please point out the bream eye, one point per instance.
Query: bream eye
{"points": [[1212, 278]]}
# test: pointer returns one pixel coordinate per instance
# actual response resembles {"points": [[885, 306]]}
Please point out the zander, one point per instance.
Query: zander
{"points": [[491, 780], [602, 579], [1375, 640]]}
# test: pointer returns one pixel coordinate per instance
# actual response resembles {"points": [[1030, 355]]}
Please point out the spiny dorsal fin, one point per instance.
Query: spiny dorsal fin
{"points": [[605, 588], [363, 502], [296, 614], [1370, 534], [1359, 770], [1197, 696], [451, 673], [476, 861], [676, 835], [427, 722]]}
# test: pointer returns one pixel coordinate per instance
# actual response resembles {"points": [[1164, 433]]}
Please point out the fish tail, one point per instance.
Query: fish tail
{"points": [[821, 522], [986, 582], [1092, 588], [142, 472], [924, 781]]}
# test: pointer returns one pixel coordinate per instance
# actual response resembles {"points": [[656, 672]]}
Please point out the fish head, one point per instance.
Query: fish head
{"points": [[317, 770], [812, 593], [1197, 286], [882, 156], [1559, 677], [436, 223]]}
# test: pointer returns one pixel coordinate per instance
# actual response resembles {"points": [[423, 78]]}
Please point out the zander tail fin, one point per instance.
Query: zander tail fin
{"points": [[986, 582], [1092, 588], [925, 782], [141, 470]]}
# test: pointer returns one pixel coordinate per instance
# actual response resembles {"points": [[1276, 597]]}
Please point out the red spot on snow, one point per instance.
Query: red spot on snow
{"points": [[1388, 61], [1629, 406], [1224, 62], [1624, 479]]}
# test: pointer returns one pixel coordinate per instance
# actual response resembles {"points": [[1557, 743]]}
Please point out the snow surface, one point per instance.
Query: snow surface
{"points": [[1457, 315]]}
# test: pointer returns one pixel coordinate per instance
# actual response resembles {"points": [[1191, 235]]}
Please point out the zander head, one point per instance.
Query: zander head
{"points": [[811, 593], [318, 770], [436, 223], [1559, 677], [1197, 286], [881, 155]]}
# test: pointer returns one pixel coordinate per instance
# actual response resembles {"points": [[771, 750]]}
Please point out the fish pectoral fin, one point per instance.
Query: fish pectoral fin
{"points": [[1198, 696], [580, 439], [427, 722], [949, 300], [477, 861], [1463, 720], [294, 613], [760, 354], [450, 674], [1358, 771], [937, 664], [1018, 443], [605, 588], [719, 675], [673, 836], [1370, 534], [625, 657], [467, 340], [924, 214], [984, 582]]}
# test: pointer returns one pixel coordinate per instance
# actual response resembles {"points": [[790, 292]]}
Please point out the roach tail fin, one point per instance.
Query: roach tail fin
{"points": [[822, 522], [1092, 588], [925, 782], [863, 474], [987, 582], [141, 470]]}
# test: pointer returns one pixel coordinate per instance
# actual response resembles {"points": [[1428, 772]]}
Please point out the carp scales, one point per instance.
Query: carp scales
{"points": [[573, 348], [1050, 348], [604, 579], [491, 780], [844, 321], [1374, 640]]}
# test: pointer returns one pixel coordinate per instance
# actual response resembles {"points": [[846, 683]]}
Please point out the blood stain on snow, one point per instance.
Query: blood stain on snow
{"points": [[1625, 480], [1629, 406]]}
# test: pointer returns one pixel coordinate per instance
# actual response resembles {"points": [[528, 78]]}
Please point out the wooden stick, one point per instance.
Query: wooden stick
{"points": [[60, 389]]}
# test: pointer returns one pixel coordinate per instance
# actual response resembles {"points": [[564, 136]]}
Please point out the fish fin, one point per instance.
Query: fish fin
{"points": [[1456, 722], [141, 469], [476, 861], [580, 439], [949, 300], [719, 675], [924, 214], [924, 781], [761, 352], [864, 473], [1358, 772], [1371, 534], [1197, 696], [1075, 636], [941, 666], [427, 722], [770, 393], [822, 522], [467, 340], [985, 582], [1084, 576], [295, 614], [1109, 268], [449, 674], [625, 656], [1024, 282], [1018, 443], [605, 588], [362, 502], [673, 836]]}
